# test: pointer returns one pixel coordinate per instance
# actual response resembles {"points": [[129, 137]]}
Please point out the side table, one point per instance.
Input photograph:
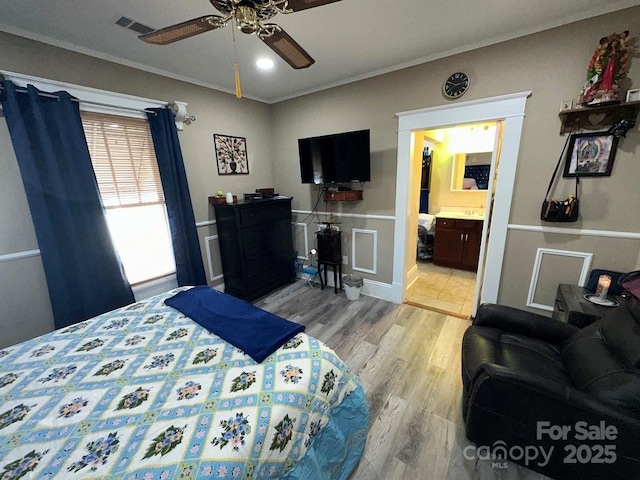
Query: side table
{"points": [[337, 273], [571, 306]]}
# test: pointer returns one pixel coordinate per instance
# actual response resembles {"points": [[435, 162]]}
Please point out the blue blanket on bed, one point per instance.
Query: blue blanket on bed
{"points": [[254, 331]]}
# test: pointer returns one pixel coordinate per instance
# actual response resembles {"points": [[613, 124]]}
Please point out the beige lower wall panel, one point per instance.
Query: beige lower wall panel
{"points": [[364, 244], [556, 268], [384, 229], [520, 253], [210, 251], [25, 310]]}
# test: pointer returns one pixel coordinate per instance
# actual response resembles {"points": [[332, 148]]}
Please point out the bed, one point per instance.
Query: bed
{"points": [[143, 392]]}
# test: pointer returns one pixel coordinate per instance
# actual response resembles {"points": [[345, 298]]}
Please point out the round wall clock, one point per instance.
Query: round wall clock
{"points": [[456, 85]]}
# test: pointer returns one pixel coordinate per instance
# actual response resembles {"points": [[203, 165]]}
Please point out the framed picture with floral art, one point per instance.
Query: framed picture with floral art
{"points": [[590, 155], [231, 154]]}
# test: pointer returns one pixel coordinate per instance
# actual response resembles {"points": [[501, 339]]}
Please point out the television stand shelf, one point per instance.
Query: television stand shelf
{"points": [[342, 196]]}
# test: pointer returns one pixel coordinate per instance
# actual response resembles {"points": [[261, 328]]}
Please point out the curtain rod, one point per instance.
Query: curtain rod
{"points": [[73, 99]]}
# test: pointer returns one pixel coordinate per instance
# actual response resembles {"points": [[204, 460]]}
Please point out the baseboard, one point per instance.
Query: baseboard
{"points": [[372, 288], [383, 291], [412, 276]]}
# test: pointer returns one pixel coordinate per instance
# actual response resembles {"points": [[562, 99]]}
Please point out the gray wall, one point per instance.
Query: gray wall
{"points": [[551, 64], [24, 309]]}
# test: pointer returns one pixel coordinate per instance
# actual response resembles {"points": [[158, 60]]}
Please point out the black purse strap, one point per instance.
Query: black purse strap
{"points": [[555, 172]]}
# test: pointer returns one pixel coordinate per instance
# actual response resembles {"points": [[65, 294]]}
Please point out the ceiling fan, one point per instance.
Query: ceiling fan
{"points": [[249, 16]]}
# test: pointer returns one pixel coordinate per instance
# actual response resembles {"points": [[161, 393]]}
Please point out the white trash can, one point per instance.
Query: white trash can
{"points": [[352, 286]]}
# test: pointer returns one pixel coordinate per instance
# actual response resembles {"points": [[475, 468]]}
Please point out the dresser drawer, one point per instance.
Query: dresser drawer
{"points": [[467, 225], [259, 214]]}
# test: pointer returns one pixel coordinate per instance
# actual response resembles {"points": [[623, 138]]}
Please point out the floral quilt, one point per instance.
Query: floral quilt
{"points": [[145, 393]]}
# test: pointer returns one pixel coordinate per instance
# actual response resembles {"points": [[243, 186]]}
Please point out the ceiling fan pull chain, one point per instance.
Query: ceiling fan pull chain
{"points": [[238, 86], [236, 67]]}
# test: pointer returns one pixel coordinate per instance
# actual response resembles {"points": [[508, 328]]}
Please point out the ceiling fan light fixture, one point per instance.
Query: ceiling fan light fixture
{"points": [[264, 63], [250, 17], [246, 19]]}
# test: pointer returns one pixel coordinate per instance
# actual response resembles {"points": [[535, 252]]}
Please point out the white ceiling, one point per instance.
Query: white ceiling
{"points": [[349, 40]]}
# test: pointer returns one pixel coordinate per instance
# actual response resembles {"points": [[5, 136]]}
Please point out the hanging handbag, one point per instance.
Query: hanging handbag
{"points": [[560, 210]]}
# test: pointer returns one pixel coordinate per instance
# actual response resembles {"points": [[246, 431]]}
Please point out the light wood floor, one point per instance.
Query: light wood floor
{"points": [[408, 360], [443, 289]]}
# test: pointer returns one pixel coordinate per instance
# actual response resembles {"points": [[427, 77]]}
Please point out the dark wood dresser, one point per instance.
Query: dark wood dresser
{"points": [[256, 246]]}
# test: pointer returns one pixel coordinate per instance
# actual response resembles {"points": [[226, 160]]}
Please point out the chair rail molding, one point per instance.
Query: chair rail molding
{"points": [[347, 215], [8, 257], [583, 232], [205, 223]]}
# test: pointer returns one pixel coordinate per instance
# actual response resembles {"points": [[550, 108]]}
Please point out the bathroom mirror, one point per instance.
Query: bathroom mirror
{"points": [[470, 171]]}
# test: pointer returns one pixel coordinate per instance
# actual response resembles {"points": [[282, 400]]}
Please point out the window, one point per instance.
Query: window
{"points": [[126, 169]]}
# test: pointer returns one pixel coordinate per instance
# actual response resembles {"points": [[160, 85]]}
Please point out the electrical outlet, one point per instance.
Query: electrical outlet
{"points": [[345, 259]]}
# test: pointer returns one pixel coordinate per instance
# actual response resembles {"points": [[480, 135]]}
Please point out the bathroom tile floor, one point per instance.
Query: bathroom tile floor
{"points": [[443, 289]]}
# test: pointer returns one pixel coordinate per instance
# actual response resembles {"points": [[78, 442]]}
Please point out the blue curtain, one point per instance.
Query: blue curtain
{"points": [[84, 275], [424, 201], [182, 223]]}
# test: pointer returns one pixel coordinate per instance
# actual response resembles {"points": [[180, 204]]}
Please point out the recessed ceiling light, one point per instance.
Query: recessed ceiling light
{"points": [[265, 63]]}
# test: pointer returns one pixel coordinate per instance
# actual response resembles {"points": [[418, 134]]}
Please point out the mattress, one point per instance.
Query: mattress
{"points": [[143, 392]]}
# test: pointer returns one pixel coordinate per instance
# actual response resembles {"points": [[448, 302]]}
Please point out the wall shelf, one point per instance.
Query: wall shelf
{"points": [[342, 196], [594, 118]]}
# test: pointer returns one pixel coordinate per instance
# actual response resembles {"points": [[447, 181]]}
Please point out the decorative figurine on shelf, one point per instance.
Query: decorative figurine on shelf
{"points": [[609, 65]]}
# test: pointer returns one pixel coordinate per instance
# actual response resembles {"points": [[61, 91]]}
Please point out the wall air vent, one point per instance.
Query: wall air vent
{"points": [[131, 24], [124, 22], [140, 28]]}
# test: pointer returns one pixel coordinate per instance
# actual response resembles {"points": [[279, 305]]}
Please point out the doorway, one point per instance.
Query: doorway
{"points": [[508, 109], [456, 187]]}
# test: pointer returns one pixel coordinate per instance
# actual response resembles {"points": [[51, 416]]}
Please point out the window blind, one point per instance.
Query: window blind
{"points": [[124, 160]]}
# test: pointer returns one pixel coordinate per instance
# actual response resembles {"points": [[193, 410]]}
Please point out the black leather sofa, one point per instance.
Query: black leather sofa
{"points": [[534, 386]]}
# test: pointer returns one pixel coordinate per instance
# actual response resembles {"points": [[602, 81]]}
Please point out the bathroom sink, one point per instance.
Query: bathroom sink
{"points": [[461, 213]]}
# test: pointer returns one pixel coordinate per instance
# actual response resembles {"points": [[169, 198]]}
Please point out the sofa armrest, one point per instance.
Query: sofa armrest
{"points": [[521, 322], [574, 399], [523, 400]]}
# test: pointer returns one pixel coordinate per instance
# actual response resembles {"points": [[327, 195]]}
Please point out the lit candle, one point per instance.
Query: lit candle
{"points": [[604, 281]]}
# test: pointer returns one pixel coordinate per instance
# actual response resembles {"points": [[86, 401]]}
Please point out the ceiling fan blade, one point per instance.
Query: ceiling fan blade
{"points": [[280, 42], [297, 5], [180, 31]]}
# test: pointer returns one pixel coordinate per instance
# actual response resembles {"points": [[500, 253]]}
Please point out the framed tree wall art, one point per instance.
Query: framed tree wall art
{"points": [[231, 155], [590, 155]]}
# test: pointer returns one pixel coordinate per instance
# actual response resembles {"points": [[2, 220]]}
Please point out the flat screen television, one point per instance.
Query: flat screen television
{"points": [[337, 158]]}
